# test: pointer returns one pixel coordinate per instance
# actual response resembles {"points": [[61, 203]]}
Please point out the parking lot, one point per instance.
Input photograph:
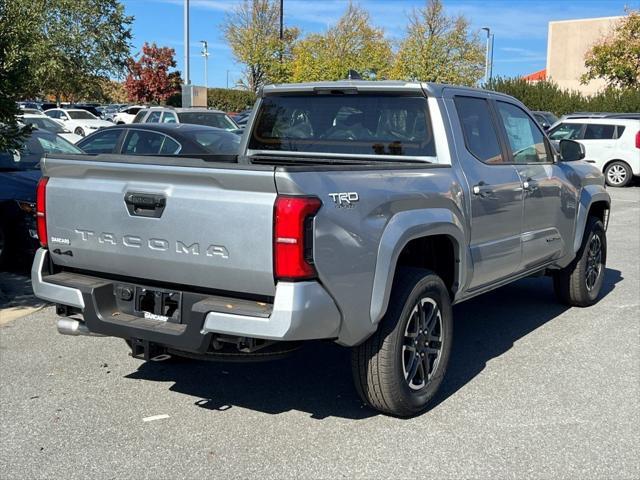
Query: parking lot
{"points": [[534, 389]]}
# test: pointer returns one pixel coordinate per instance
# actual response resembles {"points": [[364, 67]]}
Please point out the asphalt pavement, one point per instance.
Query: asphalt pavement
{"points": [[533, 390]]}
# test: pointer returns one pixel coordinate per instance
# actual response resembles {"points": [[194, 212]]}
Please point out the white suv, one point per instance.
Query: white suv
{"points": [[613, 144]]}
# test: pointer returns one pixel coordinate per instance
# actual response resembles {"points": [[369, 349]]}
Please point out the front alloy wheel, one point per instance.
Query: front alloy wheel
{"points": [[594, 263]]}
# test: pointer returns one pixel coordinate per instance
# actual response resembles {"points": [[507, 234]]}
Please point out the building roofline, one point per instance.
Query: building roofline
{"points": [[586, 19]]}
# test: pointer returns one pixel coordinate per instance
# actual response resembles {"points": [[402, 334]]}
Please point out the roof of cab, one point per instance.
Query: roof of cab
{"points": [[428, 88]]}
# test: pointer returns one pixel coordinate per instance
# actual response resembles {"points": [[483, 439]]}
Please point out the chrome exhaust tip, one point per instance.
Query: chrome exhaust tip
{"points": [[69, 326]]}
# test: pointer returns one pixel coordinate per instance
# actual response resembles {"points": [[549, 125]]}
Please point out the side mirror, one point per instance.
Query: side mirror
{"points": [[570, 151]]}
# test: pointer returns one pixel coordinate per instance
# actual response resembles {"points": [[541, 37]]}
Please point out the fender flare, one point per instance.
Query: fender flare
{"points": [[400, 230], [589, 195]]}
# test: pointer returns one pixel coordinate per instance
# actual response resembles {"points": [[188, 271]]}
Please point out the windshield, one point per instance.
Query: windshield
{"points": [[80, 115], [44, 124], [210, 119], [28, 156], [358, 124]]}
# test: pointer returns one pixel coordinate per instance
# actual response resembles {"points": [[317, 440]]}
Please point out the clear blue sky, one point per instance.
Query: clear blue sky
{"points": [[520, 26]]}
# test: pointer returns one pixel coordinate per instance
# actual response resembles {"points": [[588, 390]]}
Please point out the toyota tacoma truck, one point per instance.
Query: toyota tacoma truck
{"points": [[356, 212]]}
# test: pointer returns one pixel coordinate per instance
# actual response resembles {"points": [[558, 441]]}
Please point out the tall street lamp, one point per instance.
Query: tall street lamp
{"points": [[488, 63], [205, 54]]}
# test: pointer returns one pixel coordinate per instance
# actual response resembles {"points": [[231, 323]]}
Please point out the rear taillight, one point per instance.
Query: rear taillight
{"points": [[293, 237], [41, 210], [638, 140]]}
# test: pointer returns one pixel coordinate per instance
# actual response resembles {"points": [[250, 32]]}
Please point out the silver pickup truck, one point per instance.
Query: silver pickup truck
{"points": [[356, 212]]}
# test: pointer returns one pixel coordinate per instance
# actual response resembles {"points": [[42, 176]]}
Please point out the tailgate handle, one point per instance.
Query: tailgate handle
{"points": [[145, 204]]}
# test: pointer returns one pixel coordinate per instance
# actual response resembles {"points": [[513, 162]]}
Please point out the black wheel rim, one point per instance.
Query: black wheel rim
{"points": [[422, 343], [594, 262]]}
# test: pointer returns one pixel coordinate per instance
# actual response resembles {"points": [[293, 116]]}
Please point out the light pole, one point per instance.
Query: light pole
{"points": [[488, 62], [205, 54], [187, 81]]}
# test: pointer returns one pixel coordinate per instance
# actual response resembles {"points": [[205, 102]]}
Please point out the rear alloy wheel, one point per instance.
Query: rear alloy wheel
{"points": [[618, 174], [400, 367], [79, 131]]}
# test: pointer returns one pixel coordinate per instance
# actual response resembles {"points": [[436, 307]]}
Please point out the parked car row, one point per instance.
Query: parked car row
{"points": [[19, 175]]}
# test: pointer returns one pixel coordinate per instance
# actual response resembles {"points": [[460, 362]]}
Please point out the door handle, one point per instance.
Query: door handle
{"points": [[482, 190]]}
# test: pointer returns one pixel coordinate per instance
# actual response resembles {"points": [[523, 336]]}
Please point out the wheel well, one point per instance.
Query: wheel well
{"points": [[437, 253], [599, 209], [614, 160]]}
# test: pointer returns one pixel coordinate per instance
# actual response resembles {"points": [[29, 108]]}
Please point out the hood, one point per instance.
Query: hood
{"points": [[20, 185]]}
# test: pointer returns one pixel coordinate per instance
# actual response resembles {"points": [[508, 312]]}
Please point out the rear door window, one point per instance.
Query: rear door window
{"points": [[599, 132], [140, 142], [479, 131], [169, 146], [349, 124]]}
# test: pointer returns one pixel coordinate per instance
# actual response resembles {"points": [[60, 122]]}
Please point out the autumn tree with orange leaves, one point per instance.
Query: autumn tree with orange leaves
{"points": [[152, 78]]}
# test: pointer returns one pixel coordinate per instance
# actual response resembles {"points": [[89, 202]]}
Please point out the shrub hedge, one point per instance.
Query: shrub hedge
{"points": [[230, 100], [547, 96]]}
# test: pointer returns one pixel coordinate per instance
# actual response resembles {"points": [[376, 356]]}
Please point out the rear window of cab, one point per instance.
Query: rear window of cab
{"points": [[350, 124]]}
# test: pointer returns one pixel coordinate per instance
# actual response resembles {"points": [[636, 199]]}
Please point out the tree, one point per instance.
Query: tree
{"points": [[149, 78], [17, 34], [352, 44], [616, 58], [439, 48], [252, 30], [80, 44]]}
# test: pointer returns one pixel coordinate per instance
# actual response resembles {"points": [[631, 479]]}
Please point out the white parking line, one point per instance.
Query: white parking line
{"points": [[155, 417]]}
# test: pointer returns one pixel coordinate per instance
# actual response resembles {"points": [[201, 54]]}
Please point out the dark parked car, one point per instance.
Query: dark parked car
{"points": [[545, 119], [19, 175], [184, 140]]}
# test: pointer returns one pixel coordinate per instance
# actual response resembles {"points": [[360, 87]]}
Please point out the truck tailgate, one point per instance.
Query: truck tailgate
{"points": [[200, 226]]}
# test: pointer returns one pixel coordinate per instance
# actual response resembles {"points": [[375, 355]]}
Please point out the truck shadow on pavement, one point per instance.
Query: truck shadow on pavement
{"points": [[317, 379]]}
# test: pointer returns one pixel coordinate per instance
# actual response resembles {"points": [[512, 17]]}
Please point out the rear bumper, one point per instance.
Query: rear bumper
{"points": [[300, 311]]}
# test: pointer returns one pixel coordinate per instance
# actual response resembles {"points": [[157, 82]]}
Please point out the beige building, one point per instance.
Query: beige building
{"points": [[568, 42]]}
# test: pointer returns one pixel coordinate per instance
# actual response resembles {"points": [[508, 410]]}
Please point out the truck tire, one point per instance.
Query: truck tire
{"points": [[618, 174], [580, 282], [401, 366]]}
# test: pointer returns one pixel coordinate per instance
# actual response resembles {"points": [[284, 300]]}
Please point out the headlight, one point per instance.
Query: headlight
{"points": [[27, 207]]}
